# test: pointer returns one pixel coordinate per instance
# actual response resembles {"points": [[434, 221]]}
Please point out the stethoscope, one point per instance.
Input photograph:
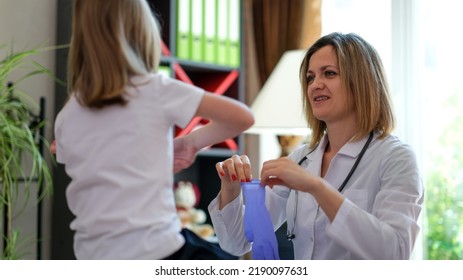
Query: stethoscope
{"points": [[290, 233]]}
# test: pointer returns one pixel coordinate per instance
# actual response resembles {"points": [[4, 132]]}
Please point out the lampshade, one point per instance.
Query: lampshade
{"points": [[278, 107]]}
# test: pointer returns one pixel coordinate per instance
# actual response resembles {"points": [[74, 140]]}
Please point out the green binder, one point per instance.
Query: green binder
{"points": [[183, 29], [210, 31], [222, 31], [197, 34], [234, 34]]}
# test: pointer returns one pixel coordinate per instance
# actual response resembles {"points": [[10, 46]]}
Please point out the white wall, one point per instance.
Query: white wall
{"points": [[27, 24]]}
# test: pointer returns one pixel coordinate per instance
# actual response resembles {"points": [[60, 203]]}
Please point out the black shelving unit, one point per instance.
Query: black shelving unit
{"points": [[61, 235]]}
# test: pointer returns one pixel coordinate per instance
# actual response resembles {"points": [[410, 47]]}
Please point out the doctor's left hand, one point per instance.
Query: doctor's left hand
{"points": [[284, 171]]}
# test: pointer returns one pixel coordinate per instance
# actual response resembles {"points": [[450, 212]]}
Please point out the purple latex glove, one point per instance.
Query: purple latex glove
{"points": [[258, 226]]}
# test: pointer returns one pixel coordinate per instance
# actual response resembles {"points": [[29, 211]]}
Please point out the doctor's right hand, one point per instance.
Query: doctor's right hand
{"points": [[232, 172]]}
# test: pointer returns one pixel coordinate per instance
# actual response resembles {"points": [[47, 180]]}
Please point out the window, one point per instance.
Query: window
{"points": [[441, 91]]}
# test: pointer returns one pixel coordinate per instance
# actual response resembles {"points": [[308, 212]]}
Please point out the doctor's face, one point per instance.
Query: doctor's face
{"points": [[327, 96]]}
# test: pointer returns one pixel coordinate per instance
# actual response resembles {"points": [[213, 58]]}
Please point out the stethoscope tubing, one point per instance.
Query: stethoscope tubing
{"points": [[290, 233]]}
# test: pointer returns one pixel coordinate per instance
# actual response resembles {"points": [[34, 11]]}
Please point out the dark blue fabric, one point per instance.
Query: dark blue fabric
{"points": [[196, 248]]}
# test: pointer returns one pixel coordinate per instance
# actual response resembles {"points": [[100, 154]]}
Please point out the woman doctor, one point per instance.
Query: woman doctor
{"points": [[354, 191]]}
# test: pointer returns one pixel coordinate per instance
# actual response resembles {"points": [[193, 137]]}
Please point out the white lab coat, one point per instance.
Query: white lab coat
{"points": [[377, 220]]}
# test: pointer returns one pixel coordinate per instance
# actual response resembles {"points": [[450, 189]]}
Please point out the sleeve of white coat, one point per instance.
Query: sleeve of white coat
{"points": [[390, 231], [229, 227]]}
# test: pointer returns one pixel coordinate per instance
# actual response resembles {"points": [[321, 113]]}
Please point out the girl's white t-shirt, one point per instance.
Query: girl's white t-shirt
{"points": [[120, 161]]}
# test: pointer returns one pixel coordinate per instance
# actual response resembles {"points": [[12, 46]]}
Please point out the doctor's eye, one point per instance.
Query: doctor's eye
{"points": [[330, 73], [310, 78]]}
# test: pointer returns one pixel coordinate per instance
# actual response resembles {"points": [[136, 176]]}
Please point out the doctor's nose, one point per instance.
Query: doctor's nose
{"points": [[317, 83]]}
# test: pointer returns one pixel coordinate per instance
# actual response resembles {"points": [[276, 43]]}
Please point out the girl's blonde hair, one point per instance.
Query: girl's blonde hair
{"points": [[111, 41], [362, 73]]}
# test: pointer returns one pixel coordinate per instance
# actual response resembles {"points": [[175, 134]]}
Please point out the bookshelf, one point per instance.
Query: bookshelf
{"points": [[216, 74]]}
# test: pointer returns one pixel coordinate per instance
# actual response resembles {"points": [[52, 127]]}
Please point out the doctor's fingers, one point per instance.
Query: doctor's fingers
{"points": [[283, 164], [238, 168], [244, 173], [279, 170], [226, 170]]}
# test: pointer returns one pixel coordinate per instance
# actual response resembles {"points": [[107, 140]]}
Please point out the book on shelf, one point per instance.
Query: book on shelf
{"points": [[183, 29], [234, 33], [222, 32], [197, 30], [210, 31]]}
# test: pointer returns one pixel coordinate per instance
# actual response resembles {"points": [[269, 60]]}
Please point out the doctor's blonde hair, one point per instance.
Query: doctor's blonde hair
{"points": [[362, 73], [111, 41]]}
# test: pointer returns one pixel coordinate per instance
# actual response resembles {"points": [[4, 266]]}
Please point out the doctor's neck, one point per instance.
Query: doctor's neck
{"points": [[339, 137]]}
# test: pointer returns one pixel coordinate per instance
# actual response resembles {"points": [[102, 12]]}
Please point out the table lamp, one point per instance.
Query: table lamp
{"points": [[278, 106]]}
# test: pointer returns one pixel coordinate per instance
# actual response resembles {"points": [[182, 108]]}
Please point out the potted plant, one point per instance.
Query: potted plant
{"points": [[22, 165]]}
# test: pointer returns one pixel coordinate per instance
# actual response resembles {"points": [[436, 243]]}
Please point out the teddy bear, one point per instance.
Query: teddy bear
{"points": [[186, 199]]}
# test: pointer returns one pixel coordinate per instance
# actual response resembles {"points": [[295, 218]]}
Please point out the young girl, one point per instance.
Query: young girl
{"points": [[115, 136]]}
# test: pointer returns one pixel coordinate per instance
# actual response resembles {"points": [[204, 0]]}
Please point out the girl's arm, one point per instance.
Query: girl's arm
{"points": [[227, 119]]}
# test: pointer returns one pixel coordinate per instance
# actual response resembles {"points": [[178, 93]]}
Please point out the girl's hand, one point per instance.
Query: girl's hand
{"points": [[184, 153], [53, 147]]}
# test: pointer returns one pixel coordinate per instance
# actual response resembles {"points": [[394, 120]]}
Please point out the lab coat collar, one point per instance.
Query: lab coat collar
{"points": [[351, 149]]}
